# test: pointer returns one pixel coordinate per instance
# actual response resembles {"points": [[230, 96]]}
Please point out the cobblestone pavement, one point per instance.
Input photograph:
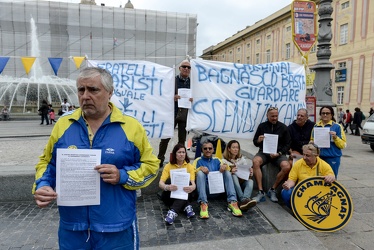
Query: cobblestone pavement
{"points": [[24, 226]]}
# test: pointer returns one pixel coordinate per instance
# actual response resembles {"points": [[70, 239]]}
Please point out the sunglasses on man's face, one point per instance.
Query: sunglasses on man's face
{"points": [[186, 67], [208, 149]]}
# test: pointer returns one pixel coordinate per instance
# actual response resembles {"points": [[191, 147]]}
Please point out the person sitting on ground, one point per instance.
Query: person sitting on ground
{"points": [[275, 127], [178, 161], [233, 158], [5, 113], [300, 131], [204, 165], [310, 165]]}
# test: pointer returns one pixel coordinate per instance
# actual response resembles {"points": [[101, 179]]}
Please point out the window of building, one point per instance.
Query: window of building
{"points": [[258, 41], [288, 51], [344, 34], [345, 5], [342, 65], [288, 28], [313, 49], [248, 45], [238, 49], [268, 56], [238, 61], [340, 95], [268, 37], [257, 58], [223, 56], [248, 60]]}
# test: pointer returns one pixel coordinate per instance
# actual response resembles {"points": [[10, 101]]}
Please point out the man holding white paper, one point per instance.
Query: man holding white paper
{"points": [[126, 164], [204, 165], [273, 127]]}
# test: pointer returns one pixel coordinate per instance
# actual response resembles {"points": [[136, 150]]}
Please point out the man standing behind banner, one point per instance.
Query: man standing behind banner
{"points": [[271, 126], [180, 114], [127, 164]]}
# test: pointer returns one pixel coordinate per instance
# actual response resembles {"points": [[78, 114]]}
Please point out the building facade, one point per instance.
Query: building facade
{"points": [[352, 49], [98, 32]]}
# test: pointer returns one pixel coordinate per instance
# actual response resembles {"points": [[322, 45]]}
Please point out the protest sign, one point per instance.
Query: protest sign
{"points": [[231, 99], [144, 90]]}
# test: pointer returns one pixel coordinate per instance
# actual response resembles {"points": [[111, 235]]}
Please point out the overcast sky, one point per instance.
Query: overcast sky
{"points": [[217, 19]]}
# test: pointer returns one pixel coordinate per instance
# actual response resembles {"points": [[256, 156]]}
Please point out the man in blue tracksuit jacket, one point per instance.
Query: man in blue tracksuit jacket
{"points": [[127, 164]]}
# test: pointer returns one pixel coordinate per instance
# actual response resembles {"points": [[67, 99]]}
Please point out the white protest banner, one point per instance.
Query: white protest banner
{"points": [[144, 90], [231, 99]]}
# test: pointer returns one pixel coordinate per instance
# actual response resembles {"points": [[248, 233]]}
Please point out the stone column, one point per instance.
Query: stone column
{"points": [[323, 82]]}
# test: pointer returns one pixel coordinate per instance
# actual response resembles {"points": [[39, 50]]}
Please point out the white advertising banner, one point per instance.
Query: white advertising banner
{"points": [[231, 99]]}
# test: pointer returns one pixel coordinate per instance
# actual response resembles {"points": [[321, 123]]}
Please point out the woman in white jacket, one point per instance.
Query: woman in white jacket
{"points": [[233, 158]]}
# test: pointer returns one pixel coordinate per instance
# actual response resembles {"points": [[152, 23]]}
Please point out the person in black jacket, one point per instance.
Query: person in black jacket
{"points": [[44, 112], [300, 131], [357, 120], [271, 126], [181, 81]]}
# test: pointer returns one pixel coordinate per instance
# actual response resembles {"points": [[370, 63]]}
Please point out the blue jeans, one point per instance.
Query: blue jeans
{"points": [[286, 196], [203, 187], [244, 189]]}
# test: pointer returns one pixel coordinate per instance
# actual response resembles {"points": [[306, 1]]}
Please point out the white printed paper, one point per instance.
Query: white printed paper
{"points": [[215, 182], [243, 171], [77, 182], [181, 180], [270, 144], [183, 170], [184, 101], [322, 137]]}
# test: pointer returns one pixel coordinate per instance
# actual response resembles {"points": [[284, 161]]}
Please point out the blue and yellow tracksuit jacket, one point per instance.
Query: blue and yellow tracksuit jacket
{"points": [[124, 143]]}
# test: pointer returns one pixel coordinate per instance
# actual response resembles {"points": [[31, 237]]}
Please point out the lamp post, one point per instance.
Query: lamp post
{"points": [[323, 83]]}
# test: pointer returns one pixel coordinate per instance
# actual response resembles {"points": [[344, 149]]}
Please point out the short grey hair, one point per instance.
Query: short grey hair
{"points": [[184, 61], [92, 72], [304, 109]]}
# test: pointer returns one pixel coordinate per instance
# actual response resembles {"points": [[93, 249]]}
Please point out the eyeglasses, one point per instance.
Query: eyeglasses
{"points": [[207, 148], [186, 67], [314, 147], [325, 113]]}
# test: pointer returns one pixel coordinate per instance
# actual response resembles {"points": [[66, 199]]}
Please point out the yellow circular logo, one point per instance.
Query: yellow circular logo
{"points": [[321, 206]]}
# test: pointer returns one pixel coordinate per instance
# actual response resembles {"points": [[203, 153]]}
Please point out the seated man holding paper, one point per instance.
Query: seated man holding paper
{"points": [[274, 140], [310, 165], [213, 178], [241, 174], [178, 173]]}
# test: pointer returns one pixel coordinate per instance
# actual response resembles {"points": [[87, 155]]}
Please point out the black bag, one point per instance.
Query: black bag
{"points": [[59, 112], [181, 115], [353, 126]]}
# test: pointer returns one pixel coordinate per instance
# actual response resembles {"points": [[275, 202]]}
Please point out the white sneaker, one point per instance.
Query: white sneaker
{"points": [[272, 195]]}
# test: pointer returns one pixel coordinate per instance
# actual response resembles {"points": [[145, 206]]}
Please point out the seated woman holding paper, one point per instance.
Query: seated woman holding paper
{"points": [[310, 165], [244, 185], [179, 163]]}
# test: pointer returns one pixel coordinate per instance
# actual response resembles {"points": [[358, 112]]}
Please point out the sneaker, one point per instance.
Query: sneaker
{"points": [[233, 207], [260, 197], [170, 217], [246, 204], [189, 211], [272, 195], [204, 211]]}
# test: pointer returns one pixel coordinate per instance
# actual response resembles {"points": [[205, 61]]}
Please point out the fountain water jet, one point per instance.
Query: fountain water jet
{"points": [[24, 95]]}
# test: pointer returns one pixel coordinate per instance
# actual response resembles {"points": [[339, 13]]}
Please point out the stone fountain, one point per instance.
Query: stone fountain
{"points": [[24, 95]]}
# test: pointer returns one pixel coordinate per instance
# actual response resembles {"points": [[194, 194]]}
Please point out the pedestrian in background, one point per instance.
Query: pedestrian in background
{"points": [[52, 115], [127, 164], [43, 111], [357, 120], [347, 121]]}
